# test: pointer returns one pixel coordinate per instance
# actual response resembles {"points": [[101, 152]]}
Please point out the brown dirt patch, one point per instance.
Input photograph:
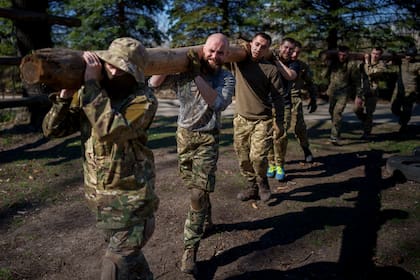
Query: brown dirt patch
{"points": [[344, 212]]}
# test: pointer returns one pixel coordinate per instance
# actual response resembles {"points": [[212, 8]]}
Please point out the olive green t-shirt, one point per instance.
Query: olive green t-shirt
{"points": [[258, 88]]}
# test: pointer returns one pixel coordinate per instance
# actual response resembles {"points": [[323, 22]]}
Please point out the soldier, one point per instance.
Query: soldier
{"points": [[289, 71], [304, 82], [407, 90], [204, 92], [364, 106], [343, 78], [113, 111], [258, 89]]}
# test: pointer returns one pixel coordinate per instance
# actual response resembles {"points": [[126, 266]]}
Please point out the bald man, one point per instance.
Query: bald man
{"points": [[204, 92]]}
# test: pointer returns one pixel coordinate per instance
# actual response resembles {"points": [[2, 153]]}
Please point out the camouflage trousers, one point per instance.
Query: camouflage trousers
{"points": [[402, 105], [252, 142], [293, 118], [123, 258], [338, 102], [365, 112], [198, 153]]}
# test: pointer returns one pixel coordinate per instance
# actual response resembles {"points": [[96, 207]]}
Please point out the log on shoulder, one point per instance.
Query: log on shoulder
{"points": [[64, 68], [55, 67]]}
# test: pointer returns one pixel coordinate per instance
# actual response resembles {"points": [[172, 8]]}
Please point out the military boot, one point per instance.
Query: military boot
{"points": [[193, 232], [188, 261], [264, 189], [251, 192]]}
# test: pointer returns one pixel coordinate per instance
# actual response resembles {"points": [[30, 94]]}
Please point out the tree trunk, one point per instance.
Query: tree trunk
{"points": [[32, 35], [64, 68]]}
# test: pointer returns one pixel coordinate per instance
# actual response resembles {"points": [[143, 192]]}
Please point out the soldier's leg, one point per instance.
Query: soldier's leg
{"points": [[280, 146], [242, 130], [193, 231], [301, 132], [331, 110], [271, 170], [185, 151], [406, 111], [260, 145], [396, 103], [208, 222], [202, 184], [370, 105], [124, 258], [359, 111], [338, 114]]}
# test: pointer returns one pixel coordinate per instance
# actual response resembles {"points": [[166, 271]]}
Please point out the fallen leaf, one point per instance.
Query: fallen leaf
{"points": [[254, 205]]}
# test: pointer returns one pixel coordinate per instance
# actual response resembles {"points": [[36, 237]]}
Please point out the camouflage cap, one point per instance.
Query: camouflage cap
{"points": [[128, 55]]}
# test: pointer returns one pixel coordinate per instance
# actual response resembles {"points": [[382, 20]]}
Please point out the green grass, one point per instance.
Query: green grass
{"points": [[5, 274], [6, 116]]}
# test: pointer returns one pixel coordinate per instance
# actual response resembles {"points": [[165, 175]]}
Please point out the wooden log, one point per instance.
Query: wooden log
{"points": [[64, 68], [331, 54], [30, 16], [55, 67]]}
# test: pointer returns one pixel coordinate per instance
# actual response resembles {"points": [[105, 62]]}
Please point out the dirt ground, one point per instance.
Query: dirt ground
{"points": [[342, 217]]}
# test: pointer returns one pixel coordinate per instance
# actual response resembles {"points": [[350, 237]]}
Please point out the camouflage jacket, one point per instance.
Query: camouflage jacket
{"points": [[119, 171], [371, 75], [344, 78], [408, 78]]}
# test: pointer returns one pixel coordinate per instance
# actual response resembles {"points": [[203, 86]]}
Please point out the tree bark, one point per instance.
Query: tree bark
{"points": [[64, 68], [30, 16]]}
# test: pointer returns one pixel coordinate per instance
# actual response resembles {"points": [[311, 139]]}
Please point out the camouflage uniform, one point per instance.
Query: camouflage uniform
{"points": [[344, 83], [258, 89], [406, 91], [277, 154], [293, 116], [304, 83], [119, 170], [371, 74], [197, 137]]}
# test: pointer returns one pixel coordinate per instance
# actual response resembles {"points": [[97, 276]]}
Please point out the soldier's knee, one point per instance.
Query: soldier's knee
{"points": [[198, 199]]}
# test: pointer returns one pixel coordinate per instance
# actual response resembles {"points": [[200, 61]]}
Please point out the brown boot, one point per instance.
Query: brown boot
{"points": [[251, 192], [264, 190], [188, 261]]}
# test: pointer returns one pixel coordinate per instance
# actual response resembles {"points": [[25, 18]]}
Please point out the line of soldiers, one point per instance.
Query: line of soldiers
{"points": [[348, 79], [116, 106]]}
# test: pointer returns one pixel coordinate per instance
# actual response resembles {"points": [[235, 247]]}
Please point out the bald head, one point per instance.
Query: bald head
{"points": [[217, 38], [215, 50]]}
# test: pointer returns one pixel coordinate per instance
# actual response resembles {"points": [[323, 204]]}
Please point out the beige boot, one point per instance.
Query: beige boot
{"points": [[188, 261]]}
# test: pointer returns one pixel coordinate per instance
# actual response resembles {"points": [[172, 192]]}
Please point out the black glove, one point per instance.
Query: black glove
{"points": [[312, 106], [194, 62]]}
